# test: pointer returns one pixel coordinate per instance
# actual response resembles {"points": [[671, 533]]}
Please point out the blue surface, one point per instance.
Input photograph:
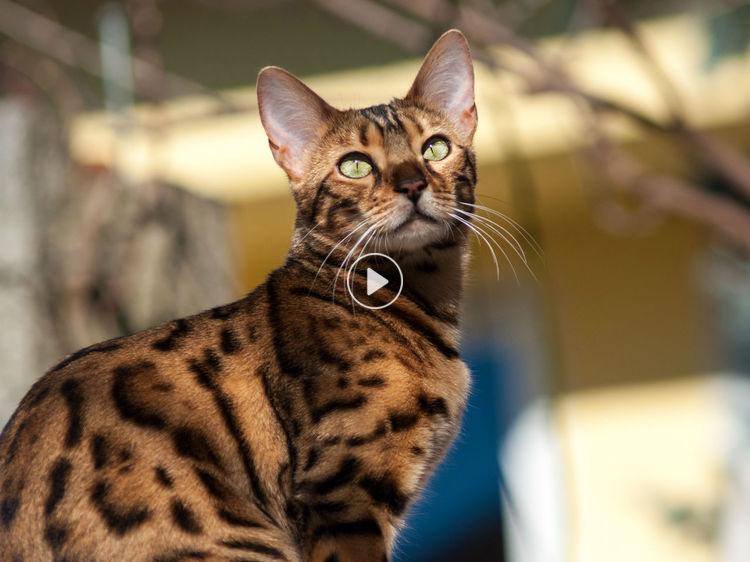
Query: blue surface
{"points": [[463, 495]]}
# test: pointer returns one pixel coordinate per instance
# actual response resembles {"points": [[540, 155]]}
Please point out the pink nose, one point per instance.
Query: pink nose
{"points": [[412, 187]]}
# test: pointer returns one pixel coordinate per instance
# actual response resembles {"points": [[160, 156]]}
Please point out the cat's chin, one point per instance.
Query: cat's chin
{"points": [[414, 234]]}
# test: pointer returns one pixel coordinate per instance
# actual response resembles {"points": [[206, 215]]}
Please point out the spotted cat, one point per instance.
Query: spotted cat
{"points": [[293, 424]]}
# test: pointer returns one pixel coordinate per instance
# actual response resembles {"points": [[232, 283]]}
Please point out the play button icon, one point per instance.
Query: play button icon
{"points": [[374, 281]]}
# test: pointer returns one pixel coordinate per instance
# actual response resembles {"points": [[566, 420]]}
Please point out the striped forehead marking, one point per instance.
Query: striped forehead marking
{"points": [[384, 116]]}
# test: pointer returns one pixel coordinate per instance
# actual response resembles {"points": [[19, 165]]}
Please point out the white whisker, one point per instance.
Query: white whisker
{"points": [[349, 255], [360, 225], [479, 233], [520, 229], [310, 231], [504, 233]]}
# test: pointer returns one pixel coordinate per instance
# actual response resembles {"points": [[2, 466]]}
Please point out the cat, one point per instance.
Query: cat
{"points": [[292, 424]]}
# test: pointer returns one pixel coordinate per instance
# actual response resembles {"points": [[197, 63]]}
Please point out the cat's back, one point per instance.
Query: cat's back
{"points": [[134, 443]]}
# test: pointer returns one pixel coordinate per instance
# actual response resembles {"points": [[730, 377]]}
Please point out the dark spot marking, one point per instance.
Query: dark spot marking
{"points": [[205, 374], [55, 535], [312, 459], [123, 394], [342, 382], [444, 244], [162, 386], [194, 444], [39, 396], [296, 428], [252, 333], [71, 391], [13, 447], [243, 544], [384, 490], [345, 474], [169, 342], [360, 527], [363, 134], [401, 421], [8, 510], [427, 267], [229, 342], [432, 406], [58, 479], [163, 477], [417, 451], [237, 520], [333, 557], [380, 431], [319, 193], [184, 518], [119, 519], [181, 555], [338, 404], [329, 507], [331, 322], [212, 484], [373, 381], [98, 348], [328, 358], [372, 355], [225, 311], [330, 441]]}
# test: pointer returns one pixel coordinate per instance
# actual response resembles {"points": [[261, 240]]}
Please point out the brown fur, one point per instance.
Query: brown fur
{"points": [[290, 425]]}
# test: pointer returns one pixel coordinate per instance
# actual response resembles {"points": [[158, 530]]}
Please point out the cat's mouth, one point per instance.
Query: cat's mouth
{"points": [[414, 231], [412, 220]]}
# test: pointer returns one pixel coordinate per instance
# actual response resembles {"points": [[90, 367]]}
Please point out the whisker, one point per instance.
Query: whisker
{"points": [[520, 229], [499, 246], [310, 231], [348, 256], [360, 225], [492, 251], [502, 232], [510, 239]]}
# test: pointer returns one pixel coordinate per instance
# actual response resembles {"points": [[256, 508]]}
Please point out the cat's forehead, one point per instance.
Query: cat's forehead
{"points": [[389, 125]]}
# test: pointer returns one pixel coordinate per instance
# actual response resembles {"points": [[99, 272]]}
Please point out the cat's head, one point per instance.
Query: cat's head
{"points": [[398, 173]]}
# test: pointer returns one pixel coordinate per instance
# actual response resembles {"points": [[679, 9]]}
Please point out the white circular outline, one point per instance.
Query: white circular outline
{"points": [[349, 283]]}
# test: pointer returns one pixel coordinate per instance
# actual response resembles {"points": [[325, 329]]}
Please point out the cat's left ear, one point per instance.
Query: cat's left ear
{"points": [[293, 116], [446, 81]]}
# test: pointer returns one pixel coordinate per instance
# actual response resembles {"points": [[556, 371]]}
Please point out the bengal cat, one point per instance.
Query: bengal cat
{"points": [[293, 424]]}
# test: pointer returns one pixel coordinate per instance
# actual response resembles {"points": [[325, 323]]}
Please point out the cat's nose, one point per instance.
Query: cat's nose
{"points": [[412, 187]]}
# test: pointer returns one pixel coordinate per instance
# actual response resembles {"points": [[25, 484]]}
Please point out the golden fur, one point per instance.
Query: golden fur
{"points": [[292, 424]]}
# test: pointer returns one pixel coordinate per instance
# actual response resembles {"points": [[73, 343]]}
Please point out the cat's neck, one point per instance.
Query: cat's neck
{"points": [[433, 277]]}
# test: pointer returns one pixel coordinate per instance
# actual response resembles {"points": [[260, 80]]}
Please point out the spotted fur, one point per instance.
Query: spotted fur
{"points": [[293, 424]]}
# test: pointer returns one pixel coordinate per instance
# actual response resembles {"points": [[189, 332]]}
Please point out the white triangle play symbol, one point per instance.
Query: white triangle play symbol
{"points": [[375, 281]]}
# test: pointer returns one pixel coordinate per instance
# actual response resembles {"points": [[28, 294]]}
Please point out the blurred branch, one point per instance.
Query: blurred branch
{"points": [[483, 25], [379, 20], [74, 49], [240, 6], [669, 193]]}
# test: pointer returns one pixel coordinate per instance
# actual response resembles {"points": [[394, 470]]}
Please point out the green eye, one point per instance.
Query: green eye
{"points": [[355, 166], [435, 149]]}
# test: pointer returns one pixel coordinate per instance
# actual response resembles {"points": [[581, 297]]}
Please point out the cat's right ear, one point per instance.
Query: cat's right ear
{"points": [[293, 116]]}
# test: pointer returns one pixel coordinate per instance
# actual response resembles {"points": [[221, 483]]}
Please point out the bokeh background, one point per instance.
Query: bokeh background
{"points": [[610, 413]]}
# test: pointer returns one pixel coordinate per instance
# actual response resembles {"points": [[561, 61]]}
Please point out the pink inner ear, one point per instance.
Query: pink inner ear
{"points": [[293, 116], [446, 81]]}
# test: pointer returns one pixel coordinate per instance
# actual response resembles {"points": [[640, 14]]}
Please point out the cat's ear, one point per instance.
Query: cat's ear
{"points": [[293, 116], [446, 81]]}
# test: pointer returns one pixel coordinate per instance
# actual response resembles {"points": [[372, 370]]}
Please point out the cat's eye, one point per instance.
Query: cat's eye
{"points": [[435, 149], [355, 166]]}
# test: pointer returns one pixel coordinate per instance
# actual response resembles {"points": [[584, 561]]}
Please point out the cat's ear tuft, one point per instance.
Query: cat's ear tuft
{"points": [[293, 116], [446, 81]]}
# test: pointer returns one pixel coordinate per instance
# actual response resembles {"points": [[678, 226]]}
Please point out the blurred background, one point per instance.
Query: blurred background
{"points": [[610, 345]]}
